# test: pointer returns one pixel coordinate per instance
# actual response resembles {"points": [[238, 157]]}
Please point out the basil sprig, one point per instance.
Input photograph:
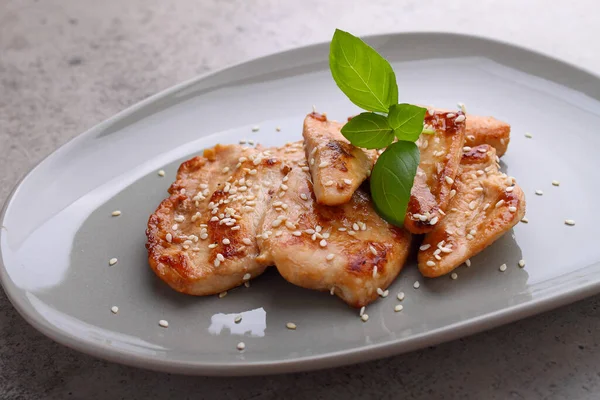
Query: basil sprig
{"points": [[369, 82]]}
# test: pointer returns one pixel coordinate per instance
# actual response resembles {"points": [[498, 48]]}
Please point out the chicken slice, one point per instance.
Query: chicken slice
{"points": [[347, 250], [337, 167], [487, 204], [487, 130], [438, 166], [202, 239]]}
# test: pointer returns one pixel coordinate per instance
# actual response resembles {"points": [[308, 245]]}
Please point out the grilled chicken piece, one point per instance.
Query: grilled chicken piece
{"points": [[438, 166], [487, 204], [337, 167], [347, 250], [487, 130], [202, 239]]}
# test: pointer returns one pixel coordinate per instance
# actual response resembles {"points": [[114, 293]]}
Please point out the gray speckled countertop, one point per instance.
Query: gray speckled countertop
{"points": [[67, 65]]}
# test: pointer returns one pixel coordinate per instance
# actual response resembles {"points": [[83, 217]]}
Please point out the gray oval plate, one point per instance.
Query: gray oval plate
{"points": [[58, 235]]}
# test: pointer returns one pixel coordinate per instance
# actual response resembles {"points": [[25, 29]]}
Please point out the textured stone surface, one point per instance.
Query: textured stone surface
{"points": [[67, 65]]}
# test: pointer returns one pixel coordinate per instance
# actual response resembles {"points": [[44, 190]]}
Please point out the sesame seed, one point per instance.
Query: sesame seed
{"points": [[380, 291], [453, 276], [362, 311], [487, 205], [329, 183], [528, 135], [247, 284], [469, 236], [472, 205], [521, 263], [312, 161], [330, 256], [114, 309], [348, 181], [500, 203], [434, 220], [220, 257], [112, 261], [512, 209], [510, 189], [524, 220], [385, 293], [375, 271], [169, 237], [217, 263], [276, 223], [323, 243], [398, 307], [460, 118], [430, 263], [116, 213], [161, 173], [212, 245], [237, 319], [332, 291], [502, 268], [204, 236], [303, 196], [222, 294], [278, 129], [291, 326], [283, 186], [466, 148], [449, 180], [255, 128], [570, 222], [351, 233], [241, 346], [400, 296], [468, 262], [416, 285], [179, 218], [243, 141], [373, 250], [164, 323], [452, 193], [555, 183], [539, 192], [226, 241], [175, 227], [323, 164], [424, 247], [450, 115], [297, 233], [364, 317], [481, 150]]}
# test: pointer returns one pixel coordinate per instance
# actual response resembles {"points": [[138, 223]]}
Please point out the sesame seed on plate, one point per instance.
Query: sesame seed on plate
{"points": [[364, 317], [114, 309], [528, 135], [379, 291], [278, 129], [237, 319], [112, 261], [223, 294], [161, 173], [362, 311], [291, 326], [468, 262], [524, 220], [163, 323], [521, 263], [116, 213], [241, 346], [570, 222], [449, 180], [398, 307], [453, 276], [430, 263], [424, 247], [417, 284], [539, 192], [400, 296], [502, 268], [255, 128], [555, 183], [385, 293], [330, 256]]}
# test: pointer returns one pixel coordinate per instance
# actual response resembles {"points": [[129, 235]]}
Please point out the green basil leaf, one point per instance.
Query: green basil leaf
{"points": [[407, 121], [392, 180], [361, 73], [369, 131]]}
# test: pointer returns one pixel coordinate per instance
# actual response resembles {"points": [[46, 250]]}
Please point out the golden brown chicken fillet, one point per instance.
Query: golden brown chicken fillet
{"points": [[486, 205], [337, 167], [236, 210], [438, 166], [487, 130], [347, 250]]}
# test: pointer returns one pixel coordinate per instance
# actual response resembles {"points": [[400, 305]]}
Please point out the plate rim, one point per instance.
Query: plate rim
{"points": [[545, 302]]}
